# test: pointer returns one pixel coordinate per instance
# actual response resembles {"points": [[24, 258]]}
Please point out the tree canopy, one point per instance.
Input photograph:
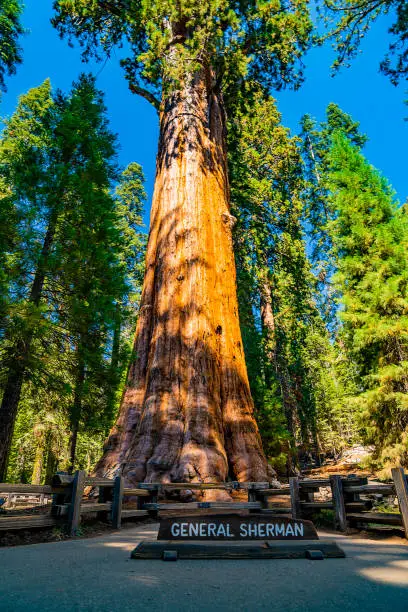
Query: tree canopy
{"points": [[71, 259], [349, 21], [370, 241], [240, 38], [10, 32]]}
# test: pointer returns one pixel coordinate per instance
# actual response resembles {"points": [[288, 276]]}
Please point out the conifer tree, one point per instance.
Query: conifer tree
{"points": [[317, 140], [348, 21], [10, 32], [370, 239], [58, 160], [287, 346], [188, 413]]}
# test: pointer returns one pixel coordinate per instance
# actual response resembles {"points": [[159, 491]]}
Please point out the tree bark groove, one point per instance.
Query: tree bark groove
{"points": [[187, 412]]}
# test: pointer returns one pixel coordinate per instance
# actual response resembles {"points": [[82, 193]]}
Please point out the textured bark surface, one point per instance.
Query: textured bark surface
{"points": [[187, 413]]}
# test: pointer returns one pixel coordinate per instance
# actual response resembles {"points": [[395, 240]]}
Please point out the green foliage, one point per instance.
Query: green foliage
{"points": [[291, 362], [74, 263], [10, 32], [370, 237], [316, 143], [348, 21], [167, 38]]}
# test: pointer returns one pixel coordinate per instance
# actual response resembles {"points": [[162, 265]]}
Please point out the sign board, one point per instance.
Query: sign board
{"points": [[230, 527]]}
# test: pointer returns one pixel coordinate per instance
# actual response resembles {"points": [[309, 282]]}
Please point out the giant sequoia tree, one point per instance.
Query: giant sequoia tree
{"points": [[187, 413]]}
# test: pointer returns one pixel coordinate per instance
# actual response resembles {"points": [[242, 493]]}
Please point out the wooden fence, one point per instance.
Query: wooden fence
{"points": [[350, 500], [69, 503]]}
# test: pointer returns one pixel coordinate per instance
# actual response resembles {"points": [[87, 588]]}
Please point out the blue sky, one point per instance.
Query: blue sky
{"points": [[360, 90]]}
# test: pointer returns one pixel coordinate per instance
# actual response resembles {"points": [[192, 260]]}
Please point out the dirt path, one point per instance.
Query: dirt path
{"points": [[98, 575]]}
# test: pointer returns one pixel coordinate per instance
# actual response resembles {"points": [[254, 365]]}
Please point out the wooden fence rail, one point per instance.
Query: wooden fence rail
{"points": [[348, 507], [69, 502]]}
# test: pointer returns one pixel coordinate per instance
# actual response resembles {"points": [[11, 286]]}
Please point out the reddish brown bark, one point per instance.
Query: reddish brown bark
{"points": [[187, 412]]}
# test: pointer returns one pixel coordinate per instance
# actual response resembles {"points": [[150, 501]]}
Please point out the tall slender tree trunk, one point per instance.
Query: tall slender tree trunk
{"points": [[76, 409], [115, 373], [21, 353], [51, 461], [40, 436], [187, 413], [273, 354]]}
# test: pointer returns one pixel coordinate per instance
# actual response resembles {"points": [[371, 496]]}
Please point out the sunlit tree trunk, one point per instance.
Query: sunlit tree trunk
{"points": [[40, 436], [187, 413]]}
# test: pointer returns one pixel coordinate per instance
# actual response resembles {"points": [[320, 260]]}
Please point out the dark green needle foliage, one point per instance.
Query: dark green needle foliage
{"points": [[237, 38], [10, 32], [74, 259], [348, 21], [370, 240], [290, 359], [316, 144]]}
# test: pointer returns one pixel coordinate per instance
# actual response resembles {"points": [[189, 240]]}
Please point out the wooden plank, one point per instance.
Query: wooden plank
{"points": [[295, 498], [28, 521], [130, 513], [207, 550], [359, 506], [74, 516], [98, 482], [401, 488], [96, 507], [204, 505], [340, 519], [203, 485], [316, 505], [6, 487], [136, 492], [382, 518], [62, 479], [253, 497], [275, 492], [385, 489], [314, 484], [117, 502]]}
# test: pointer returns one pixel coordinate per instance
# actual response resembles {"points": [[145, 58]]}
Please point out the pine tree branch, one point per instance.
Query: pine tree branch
{"points": [[114, 7], [147, 95]]}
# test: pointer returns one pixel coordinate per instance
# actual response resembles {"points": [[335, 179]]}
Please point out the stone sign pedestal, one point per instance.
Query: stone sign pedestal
{"points": [[229, 536]]}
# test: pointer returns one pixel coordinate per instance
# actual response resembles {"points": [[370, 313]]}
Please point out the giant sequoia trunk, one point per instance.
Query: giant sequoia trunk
{"points": [[187, 413]]}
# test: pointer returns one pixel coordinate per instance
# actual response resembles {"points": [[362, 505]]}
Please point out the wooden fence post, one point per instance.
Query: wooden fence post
{"points": [[340, 519], [295, 497], [401, 488], [153, 499], [252, 498], [117, 502], [74, 516], [62, 482]]}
